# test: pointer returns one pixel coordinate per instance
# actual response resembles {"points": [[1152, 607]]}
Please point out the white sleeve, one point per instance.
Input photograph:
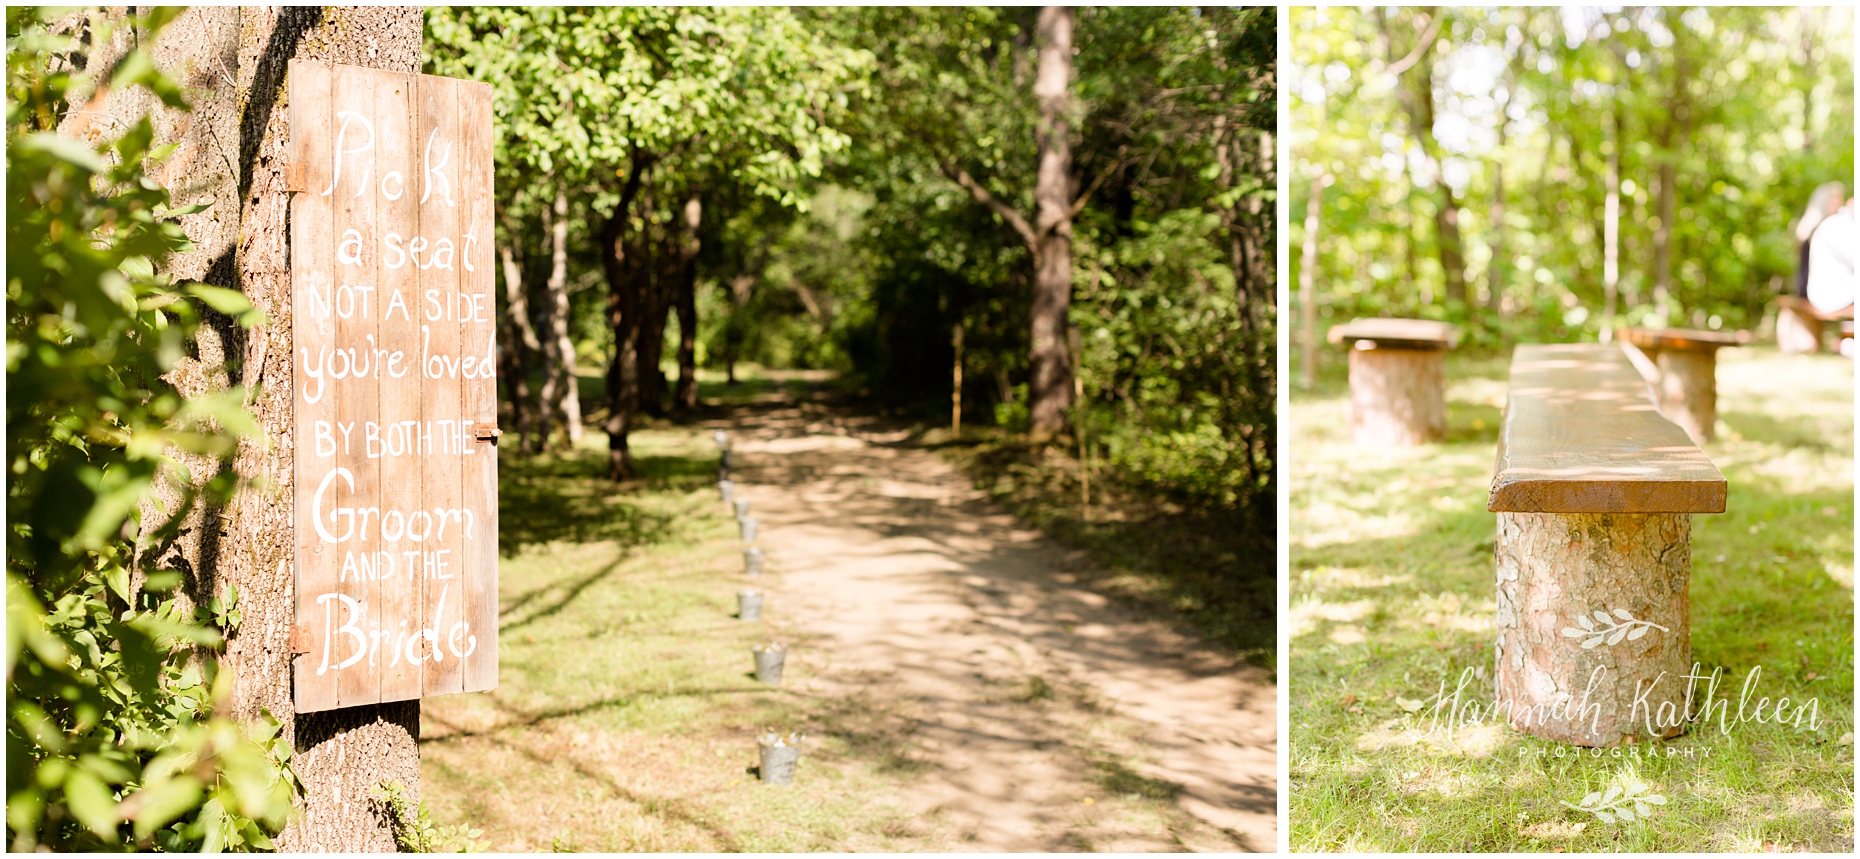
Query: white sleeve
{"points": [[1831, 262]]}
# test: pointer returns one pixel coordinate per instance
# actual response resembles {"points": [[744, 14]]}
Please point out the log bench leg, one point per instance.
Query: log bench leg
{"points": [[1397, 397], [1555, 570], [1689, 391], [1797, 333]]}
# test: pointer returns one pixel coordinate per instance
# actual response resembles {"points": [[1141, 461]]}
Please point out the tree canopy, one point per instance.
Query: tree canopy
{"points": [[1467, 159]]}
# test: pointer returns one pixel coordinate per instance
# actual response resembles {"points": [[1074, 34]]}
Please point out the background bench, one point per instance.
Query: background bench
{"points": [[1799, 324], [1683, 369], [1398, 392], [1594, 492]]}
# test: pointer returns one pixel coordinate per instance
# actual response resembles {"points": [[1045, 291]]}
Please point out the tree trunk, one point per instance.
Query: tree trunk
{"points": [[1688, 389], [561, 397], [231, 151], [519, 344], [1307, 283], [684, 398], [658, 273], [1397, 397], [1418, 98], [1611, 228], [1050, 386], [1556, 571], [623, 272]]}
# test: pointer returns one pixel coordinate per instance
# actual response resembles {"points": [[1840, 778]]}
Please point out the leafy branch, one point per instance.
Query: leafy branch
{"points": [[1621, 625], [1620, 803]]}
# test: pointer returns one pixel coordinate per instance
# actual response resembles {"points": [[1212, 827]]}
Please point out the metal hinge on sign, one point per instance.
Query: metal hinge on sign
{"points": [[300, 639], [486, 432], [296, 177]]}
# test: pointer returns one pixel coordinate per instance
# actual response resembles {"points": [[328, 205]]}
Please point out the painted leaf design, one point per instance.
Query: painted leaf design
{"points": [[1572, 632], [1605, 816], [1584, 621], [1591, 643], [1653, 799], [1617, 636], [1623, 614], [1591, 799], [1637, 632], [1603, 617], [1641, 809], [1636, 787], [1625, 815], [1612, 792]]}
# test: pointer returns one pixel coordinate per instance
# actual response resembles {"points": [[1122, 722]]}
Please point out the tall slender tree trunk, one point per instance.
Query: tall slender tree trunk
{"points": [[519, 344], [622, 270], [1673, 133], [684, 398], [1611, 226], [1307, 283], [1447, 209], [1050, 388], [233, 146], [561, 392]]}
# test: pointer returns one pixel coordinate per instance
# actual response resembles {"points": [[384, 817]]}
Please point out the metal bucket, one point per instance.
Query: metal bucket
{"points": [[779, 758], [749, 605], [768, 662], [752, 562], [748, 529], [727, 488], [742, 508]]}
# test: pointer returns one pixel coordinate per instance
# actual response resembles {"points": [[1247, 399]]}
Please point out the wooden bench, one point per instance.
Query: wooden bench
{"points": [[1594, 493], [1682, 366], [1799, 324], [1398, 392]]}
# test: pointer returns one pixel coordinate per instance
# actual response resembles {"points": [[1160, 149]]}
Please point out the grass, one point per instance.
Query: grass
{"points": [[627, 712], [1392, 595], [1209, 570]]}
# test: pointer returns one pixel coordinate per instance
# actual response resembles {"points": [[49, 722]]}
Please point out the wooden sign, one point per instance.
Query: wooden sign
{"points": [[395, 391]]}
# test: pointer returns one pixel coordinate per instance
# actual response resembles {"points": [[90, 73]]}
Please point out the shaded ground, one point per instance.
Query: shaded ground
{"points": [[961, 688], [1392, 593]]}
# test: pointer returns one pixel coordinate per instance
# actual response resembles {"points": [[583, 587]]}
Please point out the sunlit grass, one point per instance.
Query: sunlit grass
{"points": [[1392, 595], [626, 713]]}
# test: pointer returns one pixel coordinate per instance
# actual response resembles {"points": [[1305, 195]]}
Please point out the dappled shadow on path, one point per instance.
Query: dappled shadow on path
{"points": [[901, 580]]}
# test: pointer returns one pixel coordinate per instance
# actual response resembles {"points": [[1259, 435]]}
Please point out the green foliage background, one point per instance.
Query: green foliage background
{"points": [[1758, 103]]}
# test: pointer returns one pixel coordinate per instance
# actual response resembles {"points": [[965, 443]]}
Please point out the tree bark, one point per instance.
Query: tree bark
{"points": [[1050, 385], [623, 311], [1397, 397], [684, 398], [1307, 283], [1555, 571], [519, 344], [561, 395], [231, 151], [1611, 228], [1420, 103]]}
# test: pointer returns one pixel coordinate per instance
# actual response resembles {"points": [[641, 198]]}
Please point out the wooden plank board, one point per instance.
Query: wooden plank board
{"points": [[1681, 338], [479, 340], [442, 484], [350, 366], [396, 551], [1581, 434], [400, 387], [1395, 334], [313, 398]]}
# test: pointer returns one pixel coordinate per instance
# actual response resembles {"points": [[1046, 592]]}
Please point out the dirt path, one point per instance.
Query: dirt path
{"points": [[1035, 715]]}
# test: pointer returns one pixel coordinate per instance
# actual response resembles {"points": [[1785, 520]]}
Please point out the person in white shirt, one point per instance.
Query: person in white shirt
{"points": [[1831, 262]]}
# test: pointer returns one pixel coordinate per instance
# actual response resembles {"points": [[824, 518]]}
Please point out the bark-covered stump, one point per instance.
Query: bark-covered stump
{"points": [[1616, 677], [1398, 397], [1398, 394], [1594, 492], [1685, 366]]}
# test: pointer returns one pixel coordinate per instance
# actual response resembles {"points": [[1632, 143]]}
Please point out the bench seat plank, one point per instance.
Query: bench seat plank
{"points": [[1682, 338], [1581, 434], [1397, 333]]}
